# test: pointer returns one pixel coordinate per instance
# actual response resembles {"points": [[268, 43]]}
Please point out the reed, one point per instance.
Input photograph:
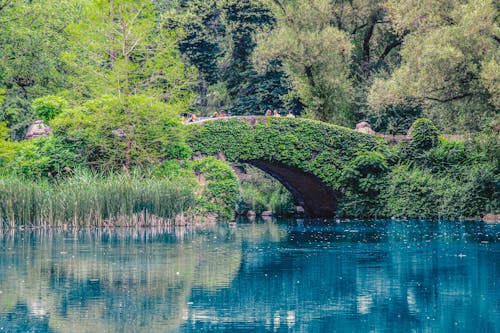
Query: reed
{"points": [[90, 199]]}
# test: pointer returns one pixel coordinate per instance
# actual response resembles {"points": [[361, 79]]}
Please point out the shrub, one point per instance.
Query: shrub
{"points": [[411, 193], [424, 133], [220, 186], [469, 191], [365, 179], [48, 107], [42, 157]]}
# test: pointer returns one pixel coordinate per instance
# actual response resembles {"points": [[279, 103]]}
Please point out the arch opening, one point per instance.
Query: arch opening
{"points": [[309, 192]]}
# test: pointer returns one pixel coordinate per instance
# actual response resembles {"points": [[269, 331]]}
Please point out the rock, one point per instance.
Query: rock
{"points": [[37, 130], [491, 218], [119, 133], [364, 127], [251, 120], [408, 134], [267, 213]]}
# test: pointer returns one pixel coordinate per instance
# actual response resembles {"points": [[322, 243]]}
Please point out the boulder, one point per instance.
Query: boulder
{"points": [[364, 127], [37, 130]]}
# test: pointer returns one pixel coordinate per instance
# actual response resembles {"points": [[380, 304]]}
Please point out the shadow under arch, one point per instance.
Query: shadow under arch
{"points": [[308, 191]]}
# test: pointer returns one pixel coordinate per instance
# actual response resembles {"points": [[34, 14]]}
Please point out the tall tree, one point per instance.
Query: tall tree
{"points": [[316, 54], [32, 38], [120, 50], [450, 61]]}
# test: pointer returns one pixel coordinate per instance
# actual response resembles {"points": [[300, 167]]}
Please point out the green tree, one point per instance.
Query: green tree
{"points": [[32, 37], [450, 61], [121, 50], [97, 130]]}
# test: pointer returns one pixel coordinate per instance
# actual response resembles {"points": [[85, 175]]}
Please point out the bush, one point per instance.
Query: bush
{"points": [[424, 133], [42, 157], [365, 179], [220, 186], [469, 191], [48, 107]]}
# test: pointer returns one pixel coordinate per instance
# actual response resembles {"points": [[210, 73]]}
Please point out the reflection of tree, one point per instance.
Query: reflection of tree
{"points": [[145, 277], [342, 277]]}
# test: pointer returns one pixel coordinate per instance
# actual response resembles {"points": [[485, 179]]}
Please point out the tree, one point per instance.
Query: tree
{"points": [[315, 54], [219, 39], [32, 37], [450, 61], [121, 51], [109, 138]]}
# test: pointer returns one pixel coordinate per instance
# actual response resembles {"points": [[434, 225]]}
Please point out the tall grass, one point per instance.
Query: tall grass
{"points": [[89, 199]]}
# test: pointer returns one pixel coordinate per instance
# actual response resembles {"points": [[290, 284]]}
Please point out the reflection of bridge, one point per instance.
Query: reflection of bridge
{"points": [[308, 157]]}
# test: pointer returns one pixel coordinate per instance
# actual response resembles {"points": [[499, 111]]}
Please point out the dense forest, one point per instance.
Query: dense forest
{"points": [[112, 78]]}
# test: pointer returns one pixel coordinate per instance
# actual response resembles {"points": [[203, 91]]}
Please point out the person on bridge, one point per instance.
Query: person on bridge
{"points": [[269, 113], [276, 114], [222, 114], [290, 114], [215, 115], [193, 118]]}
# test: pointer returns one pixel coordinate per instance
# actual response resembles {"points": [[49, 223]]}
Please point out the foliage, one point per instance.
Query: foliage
{"points": [[107, 137], [448, 60], [220, 186], [90, 199], [41, 158], [8, 148], [48, 107], [424, 134], [393, 119], [260, 192], [32, 37], [219, 40], [416, 192], [316, 56], [364, 180]]}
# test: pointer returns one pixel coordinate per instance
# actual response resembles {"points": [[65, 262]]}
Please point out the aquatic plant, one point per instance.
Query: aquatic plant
{"points": [[90, 199]]}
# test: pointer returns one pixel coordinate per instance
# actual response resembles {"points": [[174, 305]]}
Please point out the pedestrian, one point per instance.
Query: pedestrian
{"points": [[276, 114], [290, 114]]}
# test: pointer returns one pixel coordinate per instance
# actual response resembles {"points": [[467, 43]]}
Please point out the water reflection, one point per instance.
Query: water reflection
{"points": [[289, 276]]}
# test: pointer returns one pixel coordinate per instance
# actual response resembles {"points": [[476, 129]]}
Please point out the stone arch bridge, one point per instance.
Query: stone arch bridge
{"points": [[308, 157]]}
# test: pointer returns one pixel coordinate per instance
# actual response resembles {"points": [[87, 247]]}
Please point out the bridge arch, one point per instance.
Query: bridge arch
{"points": [[308, 157]]}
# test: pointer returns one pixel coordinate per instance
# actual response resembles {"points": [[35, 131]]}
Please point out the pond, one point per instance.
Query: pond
{"points": [[274, 276]]}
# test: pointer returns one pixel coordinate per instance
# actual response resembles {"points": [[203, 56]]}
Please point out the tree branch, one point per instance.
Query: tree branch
{"points": [[450, 99], [389, 48]]}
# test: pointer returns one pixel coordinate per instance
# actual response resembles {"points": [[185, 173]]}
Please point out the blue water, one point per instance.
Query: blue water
{"points": [[281, 276]]}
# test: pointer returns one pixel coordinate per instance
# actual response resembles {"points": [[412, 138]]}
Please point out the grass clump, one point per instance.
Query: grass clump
{"points": [[90, 199]]}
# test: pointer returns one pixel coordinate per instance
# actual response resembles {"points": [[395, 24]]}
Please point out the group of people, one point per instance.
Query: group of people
{"points": [[222, 114], [269, 113], [275, 113]]}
